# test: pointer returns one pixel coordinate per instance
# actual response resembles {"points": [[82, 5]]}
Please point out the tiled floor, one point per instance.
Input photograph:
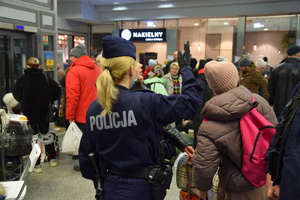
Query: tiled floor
{"points": [[63, 183]]}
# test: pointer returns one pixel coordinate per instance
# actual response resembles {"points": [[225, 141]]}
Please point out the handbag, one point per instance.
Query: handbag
{"points": [[52, 113], [71, 141]]}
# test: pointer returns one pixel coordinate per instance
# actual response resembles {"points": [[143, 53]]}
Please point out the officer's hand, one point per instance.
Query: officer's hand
{"points": [[189, 150], [187, 52], [182, 61]]}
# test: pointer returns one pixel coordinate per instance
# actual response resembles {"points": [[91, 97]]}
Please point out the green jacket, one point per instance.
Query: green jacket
{"points": [[157, 85], [252, 80]]}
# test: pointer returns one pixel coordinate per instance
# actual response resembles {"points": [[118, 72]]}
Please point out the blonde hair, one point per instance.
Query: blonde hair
{"points": [[153, 67], [174, 64], [113, 71], [158, 72], [166, 61], [98, 59], [33, 62]]}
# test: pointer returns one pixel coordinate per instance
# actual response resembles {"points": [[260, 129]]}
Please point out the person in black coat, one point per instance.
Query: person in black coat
{"points": [[283, 79], [207, 95], [34, 90]]}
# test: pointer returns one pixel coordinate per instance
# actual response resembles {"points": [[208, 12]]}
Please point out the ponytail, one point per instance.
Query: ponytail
{"points": [[113, 71]]}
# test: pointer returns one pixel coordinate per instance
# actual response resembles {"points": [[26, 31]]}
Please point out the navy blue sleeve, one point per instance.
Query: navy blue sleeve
{"points": [[86, 147], [175, 107]]}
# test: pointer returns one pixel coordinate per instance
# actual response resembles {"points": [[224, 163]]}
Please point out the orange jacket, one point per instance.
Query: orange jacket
{"points": [[80, 88]]}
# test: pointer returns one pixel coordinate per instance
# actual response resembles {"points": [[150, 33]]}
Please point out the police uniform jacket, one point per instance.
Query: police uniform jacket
{"points": [[290, 182], [129, 137]]}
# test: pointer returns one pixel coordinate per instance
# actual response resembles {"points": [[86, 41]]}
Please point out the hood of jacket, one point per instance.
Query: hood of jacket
{"points": [[161, 80], [229, 105], [33, 71], [84, 61]]}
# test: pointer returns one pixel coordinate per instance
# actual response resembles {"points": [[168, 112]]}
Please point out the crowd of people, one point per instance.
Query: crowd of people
{"points": [[129, 113]]}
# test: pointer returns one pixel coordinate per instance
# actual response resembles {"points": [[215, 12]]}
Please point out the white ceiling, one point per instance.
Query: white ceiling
{"points": [[99, 12]]}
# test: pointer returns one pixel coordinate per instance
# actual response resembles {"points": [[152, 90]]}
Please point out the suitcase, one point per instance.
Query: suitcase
{"points": [[185, 181], [183, 195], [184, 178]]}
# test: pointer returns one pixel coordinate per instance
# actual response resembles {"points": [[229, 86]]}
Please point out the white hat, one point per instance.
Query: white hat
{"points": [[260, 63], [10, 101]]}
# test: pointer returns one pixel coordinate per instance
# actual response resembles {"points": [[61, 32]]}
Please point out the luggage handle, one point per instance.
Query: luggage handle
{"points": [[189, 171]]}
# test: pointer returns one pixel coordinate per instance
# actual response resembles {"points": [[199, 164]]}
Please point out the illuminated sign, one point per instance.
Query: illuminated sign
{"points": [[45, 39], [144, 35], [19, 27]]}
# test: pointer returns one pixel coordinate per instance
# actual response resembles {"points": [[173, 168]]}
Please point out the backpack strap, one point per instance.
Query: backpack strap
{"points": [[254, 104]]}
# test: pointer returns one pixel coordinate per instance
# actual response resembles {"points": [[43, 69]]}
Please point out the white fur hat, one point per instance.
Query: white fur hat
{"points": [[10, 101]]}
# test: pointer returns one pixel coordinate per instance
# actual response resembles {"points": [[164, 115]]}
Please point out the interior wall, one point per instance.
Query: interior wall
{"points": [[158, 47], [197, 36], [268, 44]]}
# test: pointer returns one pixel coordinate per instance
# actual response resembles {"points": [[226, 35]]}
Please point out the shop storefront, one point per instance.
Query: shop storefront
{"points": [[209, 38]]}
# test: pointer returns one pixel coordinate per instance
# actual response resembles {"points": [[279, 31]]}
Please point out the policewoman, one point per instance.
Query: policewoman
{"points": [[124, 127]]}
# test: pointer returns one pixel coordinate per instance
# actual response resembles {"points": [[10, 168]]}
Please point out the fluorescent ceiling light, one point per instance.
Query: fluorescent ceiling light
{"points": [[266, 29], [225, 23], [120, 8], [262, 25], [196, 24], [166, 5], [256, 25], [149, 23]]}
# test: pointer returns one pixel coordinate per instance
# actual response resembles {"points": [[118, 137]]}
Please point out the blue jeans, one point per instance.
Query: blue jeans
{"points": [[126, 188]]}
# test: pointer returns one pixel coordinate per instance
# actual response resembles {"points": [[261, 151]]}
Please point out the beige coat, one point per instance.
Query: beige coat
{"points": [[170, 84], [219, 143]]}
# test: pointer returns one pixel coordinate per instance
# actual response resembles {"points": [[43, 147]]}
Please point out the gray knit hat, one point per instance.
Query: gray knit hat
{"points": [[151, 62], [245, 62], [78, 51], [221, 76]]}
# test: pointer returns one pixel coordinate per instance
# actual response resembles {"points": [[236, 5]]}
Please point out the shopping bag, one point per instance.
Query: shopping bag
{"points": [[71, 141]]}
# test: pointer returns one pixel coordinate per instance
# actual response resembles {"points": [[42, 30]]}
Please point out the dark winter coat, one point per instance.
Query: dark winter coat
{"points": [[34, 92], [207, 95], [282, 81]]}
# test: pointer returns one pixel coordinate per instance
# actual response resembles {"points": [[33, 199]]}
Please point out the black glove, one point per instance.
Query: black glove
{"points": [[182, 61], [187, 53]]}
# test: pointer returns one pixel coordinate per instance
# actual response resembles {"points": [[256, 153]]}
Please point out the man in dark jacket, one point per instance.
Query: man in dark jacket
{"points": [[34, 90], [251, 78], [283, 79], [289, 187]]}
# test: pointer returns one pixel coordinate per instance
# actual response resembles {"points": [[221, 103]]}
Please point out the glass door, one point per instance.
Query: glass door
{"points": [[20, 49], [14, 50], [5, 56]]}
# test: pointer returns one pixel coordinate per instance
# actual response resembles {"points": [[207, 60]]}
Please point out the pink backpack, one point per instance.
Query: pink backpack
{"points": [[256, 132]]}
